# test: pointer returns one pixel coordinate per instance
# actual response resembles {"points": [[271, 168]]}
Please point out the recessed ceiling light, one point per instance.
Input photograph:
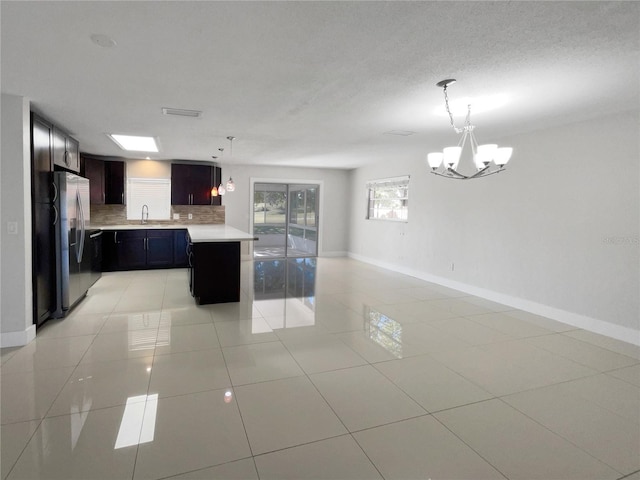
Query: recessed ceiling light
{"points": [[181, 112], [402, 133], [102, 40], [134, 143]]}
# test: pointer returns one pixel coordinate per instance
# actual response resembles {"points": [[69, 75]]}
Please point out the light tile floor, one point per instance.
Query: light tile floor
{"points": [[357, 372]]}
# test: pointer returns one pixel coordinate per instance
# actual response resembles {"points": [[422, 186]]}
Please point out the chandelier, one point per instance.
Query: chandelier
{"points": [[488, 159]]}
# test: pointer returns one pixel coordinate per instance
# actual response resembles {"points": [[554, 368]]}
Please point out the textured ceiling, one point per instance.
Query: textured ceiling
{"points": [[316, 83]]}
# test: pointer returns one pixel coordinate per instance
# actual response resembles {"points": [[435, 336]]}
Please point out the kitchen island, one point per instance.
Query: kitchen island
{"points": [[214, 263], [212, 254]]}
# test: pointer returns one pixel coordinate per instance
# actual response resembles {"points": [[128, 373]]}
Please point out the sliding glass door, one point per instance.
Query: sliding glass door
{"points": [[285, 220]]}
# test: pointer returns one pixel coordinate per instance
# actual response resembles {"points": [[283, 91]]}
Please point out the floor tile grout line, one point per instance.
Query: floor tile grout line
{"points": [[237, 402], [471, 448], [628, 475], [25, 445], [559, 435], [174, 475]]}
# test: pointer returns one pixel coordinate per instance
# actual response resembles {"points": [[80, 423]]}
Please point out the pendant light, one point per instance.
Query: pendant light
{"points": [[231, 186], [221, 189], [214, 189]]}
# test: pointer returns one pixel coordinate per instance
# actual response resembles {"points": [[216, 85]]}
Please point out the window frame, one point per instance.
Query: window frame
{"points": [[374, 208]]}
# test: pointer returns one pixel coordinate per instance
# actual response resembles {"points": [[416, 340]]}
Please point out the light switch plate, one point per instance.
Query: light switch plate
{"points": [[176, 216], [12, 228], [190, 216]]}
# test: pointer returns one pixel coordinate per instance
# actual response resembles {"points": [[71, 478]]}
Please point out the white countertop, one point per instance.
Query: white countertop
{"points": [[139, 226], [198, 233], [217, 233]]}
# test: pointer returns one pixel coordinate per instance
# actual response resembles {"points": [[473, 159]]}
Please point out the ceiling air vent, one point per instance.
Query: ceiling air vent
{"points": [[180, 112]]}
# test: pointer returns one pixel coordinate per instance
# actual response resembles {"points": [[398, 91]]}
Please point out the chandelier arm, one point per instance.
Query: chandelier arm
{"points": [[457, 176], [454, 174], [478, 174], [474, 143]]}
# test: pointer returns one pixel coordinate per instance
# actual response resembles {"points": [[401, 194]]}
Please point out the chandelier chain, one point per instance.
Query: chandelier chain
{"points": [[446, 103]]}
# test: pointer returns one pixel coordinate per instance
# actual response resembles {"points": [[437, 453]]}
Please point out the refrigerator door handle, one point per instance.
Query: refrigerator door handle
{"points": [[55, 219], [55, 193], [80, 249]]}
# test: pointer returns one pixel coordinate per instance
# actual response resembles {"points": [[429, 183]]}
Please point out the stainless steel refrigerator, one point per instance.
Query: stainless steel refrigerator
{"points": [[73, 256]]}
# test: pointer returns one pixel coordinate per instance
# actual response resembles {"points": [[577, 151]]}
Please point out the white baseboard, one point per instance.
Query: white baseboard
{"points": [[624, 334], [332, 254], [17, 339]]}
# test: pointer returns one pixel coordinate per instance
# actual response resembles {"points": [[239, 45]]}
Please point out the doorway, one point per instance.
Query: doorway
{"points": [[285, 220]]}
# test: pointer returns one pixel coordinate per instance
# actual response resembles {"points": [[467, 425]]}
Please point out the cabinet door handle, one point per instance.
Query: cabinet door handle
{"points": [[66, 157], [115, 237], [122, 198], [104, 197]]}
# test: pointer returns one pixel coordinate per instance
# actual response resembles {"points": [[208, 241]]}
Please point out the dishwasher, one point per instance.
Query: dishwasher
{"points": [[95, 238]]}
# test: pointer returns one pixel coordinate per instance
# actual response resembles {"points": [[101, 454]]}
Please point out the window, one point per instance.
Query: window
{"points": [[153, 192], [388, 199]]}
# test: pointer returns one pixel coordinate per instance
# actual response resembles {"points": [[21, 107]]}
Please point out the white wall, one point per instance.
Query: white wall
{"points": [[556, 234], [148, 169], [16, 312], [334, 198]]}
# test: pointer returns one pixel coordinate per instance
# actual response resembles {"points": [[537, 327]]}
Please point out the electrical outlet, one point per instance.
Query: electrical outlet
{"points": [[12, 228], [190, 216], [176, 216]]}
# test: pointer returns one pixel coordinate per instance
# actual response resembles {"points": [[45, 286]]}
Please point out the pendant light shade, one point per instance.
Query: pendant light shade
{"points": [[231, 186]]}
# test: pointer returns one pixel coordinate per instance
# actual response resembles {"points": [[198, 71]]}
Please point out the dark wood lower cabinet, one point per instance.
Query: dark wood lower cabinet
{"points": [[215, 272], [142, 249], [131, 249], [160, 248], [180, 243]]}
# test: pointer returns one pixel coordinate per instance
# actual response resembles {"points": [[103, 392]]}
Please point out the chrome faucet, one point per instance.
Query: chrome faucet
{"points": [[144, 219]]}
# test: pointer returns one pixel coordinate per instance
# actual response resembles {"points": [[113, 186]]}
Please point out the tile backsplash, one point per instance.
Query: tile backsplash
{"points": [[117, 215]]}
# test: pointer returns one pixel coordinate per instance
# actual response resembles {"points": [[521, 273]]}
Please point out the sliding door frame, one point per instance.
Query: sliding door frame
{"points": [[291, 181]]}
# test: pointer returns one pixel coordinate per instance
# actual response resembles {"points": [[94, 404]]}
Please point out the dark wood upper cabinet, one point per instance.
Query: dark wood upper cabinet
{"points": [[192, 184], [106, 179], [114, 177], [42, 178], [94, 171], [66, 151]]}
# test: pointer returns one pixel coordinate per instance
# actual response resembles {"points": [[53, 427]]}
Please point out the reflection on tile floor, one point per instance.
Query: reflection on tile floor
{"points": [[326, 368]]}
